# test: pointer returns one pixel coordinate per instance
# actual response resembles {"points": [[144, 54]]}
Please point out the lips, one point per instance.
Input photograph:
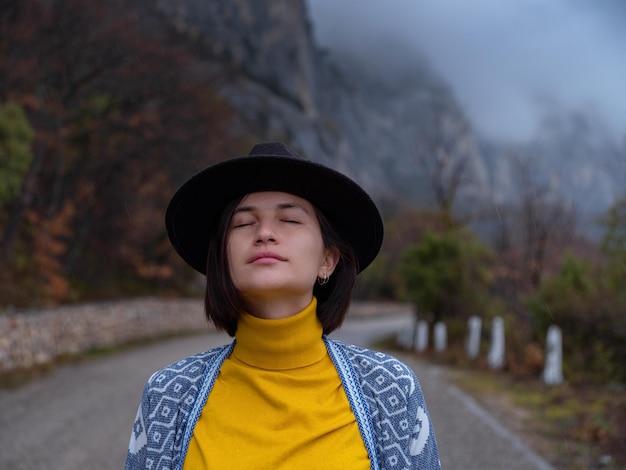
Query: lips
{"points": [[266, 257]]}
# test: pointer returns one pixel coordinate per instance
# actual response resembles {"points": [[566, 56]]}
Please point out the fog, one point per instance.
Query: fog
{"points": [[509, 63]]}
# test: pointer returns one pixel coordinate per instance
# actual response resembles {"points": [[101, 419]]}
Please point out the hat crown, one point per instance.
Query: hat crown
{"points": [[274, 149]]}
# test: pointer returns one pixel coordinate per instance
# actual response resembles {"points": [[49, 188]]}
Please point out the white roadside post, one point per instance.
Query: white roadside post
{"points": [[472, 345], [422, 336], [495, 357], [553, 368], [440, 334]]}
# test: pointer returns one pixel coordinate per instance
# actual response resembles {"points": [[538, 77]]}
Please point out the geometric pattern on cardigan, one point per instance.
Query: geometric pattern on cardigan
{"points": [[404, 434], [384, 395]]}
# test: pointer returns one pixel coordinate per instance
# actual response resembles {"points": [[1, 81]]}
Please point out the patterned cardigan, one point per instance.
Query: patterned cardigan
{"points": [[384, 394]]}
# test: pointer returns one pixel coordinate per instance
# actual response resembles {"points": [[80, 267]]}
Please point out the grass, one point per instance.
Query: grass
{"points": [[573, 427]]}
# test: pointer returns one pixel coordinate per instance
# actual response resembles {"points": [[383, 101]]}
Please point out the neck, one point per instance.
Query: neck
{"points": [[275, 308]]}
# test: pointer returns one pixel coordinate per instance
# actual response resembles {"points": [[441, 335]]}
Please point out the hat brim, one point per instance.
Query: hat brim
{"points": [[197, 206]]}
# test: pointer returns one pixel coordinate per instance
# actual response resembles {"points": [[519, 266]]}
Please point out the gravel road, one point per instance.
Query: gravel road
{"points": [[79, 416]]}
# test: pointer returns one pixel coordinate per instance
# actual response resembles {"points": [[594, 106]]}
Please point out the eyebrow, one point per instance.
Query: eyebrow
{"points": [[279, 206]]}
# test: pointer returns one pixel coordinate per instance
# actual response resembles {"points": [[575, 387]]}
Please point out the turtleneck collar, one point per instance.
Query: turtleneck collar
{"points": [[286, 343]]}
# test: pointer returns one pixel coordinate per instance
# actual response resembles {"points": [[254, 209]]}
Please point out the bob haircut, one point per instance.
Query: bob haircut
{"points": [[223, 304]]}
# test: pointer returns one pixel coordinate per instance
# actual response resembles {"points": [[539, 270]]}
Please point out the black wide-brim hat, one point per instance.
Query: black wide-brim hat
{"points": [[195, 209]]}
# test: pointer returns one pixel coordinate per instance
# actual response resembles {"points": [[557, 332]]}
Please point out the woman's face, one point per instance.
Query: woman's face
{"points": [[276, 252]]}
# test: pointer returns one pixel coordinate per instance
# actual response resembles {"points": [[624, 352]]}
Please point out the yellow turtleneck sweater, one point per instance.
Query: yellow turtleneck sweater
{"points": [[277, 403]]}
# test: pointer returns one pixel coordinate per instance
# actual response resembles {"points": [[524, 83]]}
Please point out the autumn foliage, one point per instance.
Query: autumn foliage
{"points": [[122, 111]]}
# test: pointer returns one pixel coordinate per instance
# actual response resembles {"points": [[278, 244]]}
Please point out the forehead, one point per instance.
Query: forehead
{"points": [[274, 199]]}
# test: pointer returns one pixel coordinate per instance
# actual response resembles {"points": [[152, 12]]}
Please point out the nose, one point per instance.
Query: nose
{"points": [[265, 233]]}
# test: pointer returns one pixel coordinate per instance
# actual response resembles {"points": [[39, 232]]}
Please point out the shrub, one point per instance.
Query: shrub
{"points": [[581, 300], [446, 275]]}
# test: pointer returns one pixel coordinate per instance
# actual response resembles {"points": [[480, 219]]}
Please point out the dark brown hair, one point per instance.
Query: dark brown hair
{"points": [[223, 304]]}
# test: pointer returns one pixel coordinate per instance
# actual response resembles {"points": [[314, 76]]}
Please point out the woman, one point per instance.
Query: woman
{"points": [[281, 240]]}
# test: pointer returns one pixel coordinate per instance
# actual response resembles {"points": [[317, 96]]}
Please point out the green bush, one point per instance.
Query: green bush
{"points": [[581, 300], [16, 135], [447, 275], [614, 243]]}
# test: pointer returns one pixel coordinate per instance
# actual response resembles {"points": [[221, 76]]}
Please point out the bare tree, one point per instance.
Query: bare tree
{"points": [[445, 152], [544, 218]]}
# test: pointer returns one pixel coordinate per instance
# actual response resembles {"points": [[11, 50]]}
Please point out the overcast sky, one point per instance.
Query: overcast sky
{"points": [[507, 60]]}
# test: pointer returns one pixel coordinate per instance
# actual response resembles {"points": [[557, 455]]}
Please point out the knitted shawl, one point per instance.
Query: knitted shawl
{"points": [[384, 395]]}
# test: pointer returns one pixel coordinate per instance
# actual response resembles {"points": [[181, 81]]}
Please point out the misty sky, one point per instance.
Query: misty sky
{"points": [[508, 61]]}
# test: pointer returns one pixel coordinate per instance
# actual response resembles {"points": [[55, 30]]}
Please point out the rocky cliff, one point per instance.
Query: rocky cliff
{"points": [[373, 112], [344, 111]]}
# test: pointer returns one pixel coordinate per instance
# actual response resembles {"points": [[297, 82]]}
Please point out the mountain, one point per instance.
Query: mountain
{"points": [[572, 160], [370, 115], [337, 108]]}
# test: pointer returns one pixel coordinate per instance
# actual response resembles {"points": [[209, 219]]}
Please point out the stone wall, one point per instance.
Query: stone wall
{"points": [[31, 338]]}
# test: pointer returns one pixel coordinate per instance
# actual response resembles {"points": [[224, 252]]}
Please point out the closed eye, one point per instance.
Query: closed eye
{"points": [[242, 224]]}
